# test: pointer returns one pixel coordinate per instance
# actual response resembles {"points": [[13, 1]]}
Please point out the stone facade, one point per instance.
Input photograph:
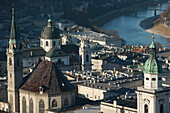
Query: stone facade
{"points": [[95, 91], [115, 108], [47, 99], [4, 106]]}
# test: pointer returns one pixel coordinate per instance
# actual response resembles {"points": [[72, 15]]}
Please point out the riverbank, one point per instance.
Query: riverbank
{"points": [[152, 25], [100, 21]]}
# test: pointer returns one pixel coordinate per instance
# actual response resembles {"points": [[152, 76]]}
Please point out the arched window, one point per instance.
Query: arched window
{"points": [[161, 108], [65, 102], [23, 105], [41, 106], [87, 58], [31, 110], [10, 61], [54, 103], [46, 43], [11, 103], [146, 108], [54, 43]]}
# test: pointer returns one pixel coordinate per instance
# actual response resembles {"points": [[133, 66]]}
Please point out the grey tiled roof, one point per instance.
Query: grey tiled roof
{"points": [[55, 52], [36, 52]]}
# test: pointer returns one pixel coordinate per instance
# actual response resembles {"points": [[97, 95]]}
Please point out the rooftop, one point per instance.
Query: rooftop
{"points": [[48, 76]]}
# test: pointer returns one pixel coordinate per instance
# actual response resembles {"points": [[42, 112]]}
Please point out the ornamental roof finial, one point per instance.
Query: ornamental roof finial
{"points": [[153, 36], [49, 21]]}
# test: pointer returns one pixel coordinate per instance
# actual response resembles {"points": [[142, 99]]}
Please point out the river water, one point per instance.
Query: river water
{"points": [[128, 27]]}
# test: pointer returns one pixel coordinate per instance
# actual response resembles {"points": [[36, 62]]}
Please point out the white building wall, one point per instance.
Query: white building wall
{"points": [[153, 101], [50, 43], [90, 92], [64, 59], [114, 108], [97, 64]]}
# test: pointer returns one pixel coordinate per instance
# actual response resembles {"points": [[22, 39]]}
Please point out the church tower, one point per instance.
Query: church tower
{"points": [[85, 54], [152, 97], [14, 66]]}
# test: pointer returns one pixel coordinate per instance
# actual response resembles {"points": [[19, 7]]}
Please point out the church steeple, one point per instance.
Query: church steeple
{"points": [[14, 40], [14, 67], [152, 97], [152, 65], [14, 35], [152, 69]]}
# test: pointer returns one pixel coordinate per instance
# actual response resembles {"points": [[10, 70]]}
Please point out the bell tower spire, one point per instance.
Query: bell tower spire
{"points": [[152, 69], [14, 34]]}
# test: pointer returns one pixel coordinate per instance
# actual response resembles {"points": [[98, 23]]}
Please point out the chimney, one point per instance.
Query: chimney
{"points": [[115, 103], [31, 53]]}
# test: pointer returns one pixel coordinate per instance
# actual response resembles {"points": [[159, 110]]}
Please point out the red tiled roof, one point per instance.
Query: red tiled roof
{"points": [[140, 50], [48, 76]]}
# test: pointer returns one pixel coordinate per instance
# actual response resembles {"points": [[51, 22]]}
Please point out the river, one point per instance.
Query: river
{"points": [[128, 27]]}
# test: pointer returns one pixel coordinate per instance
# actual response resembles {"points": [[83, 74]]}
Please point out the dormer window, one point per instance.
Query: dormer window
{"points": [[41, 90]]}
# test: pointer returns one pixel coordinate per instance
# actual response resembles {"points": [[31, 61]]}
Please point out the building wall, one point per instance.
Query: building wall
{"points": [[4, 106], [50, 43], [153, 101], [91, 93], [114, 108], [100, 42], [36, 97], [48, 99], [97, 64], [64, 59]]}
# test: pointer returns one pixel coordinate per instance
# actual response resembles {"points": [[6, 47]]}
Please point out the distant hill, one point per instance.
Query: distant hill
{"points": [[165, 17]]}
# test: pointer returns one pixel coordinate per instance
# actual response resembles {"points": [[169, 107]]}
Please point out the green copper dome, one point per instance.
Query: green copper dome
{"points": [[50, 32], [152, 65]]}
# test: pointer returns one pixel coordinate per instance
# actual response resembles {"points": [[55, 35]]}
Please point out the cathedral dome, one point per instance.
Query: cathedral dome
{"points": [[50, 32]]}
